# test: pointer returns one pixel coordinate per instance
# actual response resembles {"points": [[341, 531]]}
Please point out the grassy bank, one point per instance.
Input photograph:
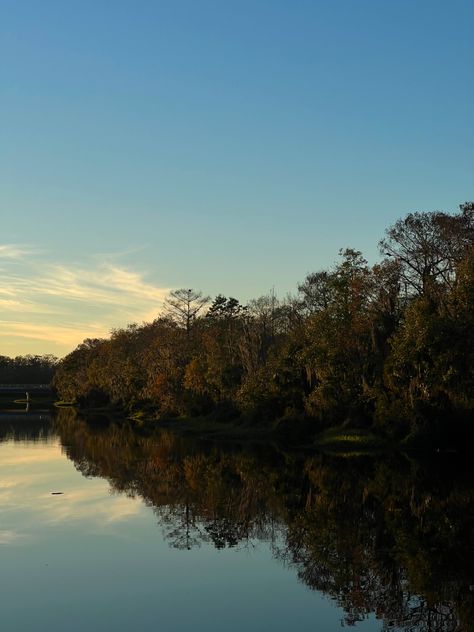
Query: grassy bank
{"points": [[353, 440]]}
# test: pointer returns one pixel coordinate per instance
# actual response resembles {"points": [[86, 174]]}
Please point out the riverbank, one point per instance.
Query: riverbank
{"points": [[301, 433], [296, 433]]}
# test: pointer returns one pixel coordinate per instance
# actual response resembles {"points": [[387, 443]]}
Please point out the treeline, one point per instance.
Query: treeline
{"points": [[28, 369], [390, 344]]}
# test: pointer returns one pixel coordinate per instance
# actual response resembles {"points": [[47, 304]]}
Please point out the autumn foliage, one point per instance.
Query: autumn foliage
{"points": [[389, 345]]}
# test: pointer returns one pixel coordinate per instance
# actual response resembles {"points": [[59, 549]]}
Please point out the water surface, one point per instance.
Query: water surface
{"points": [[104, 529]]}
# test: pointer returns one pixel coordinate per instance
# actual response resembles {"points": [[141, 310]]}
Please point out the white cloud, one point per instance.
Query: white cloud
{"points": [[105, 284], [14, 251], [57, 305]]}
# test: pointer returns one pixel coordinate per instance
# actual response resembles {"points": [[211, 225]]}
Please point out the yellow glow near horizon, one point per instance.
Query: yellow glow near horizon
{"points": [[50, 308]]}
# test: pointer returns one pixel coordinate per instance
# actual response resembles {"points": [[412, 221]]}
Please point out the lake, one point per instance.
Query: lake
{"points": [[103, 528]]}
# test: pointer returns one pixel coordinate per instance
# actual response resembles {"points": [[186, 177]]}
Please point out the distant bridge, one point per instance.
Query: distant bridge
{"points": [[32, 389]]}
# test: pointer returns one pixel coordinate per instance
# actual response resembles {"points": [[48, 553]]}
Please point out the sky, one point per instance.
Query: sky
{"points": [[231, 147]]}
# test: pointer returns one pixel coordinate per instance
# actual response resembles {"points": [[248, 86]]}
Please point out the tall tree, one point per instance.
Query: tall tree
{"points": [[428, 247], [184, 305]]}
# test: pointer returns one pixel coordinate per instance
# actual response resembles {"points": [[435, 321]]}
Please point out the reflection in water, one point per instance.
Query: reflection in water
{"points": [[25, 426], [393, 537]]}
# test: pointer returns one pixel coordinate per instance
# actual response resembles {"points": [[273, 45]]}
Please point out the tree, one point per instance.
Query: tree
{"points": [[428, 246], [432, 351], [316, 291], [224, 308], [183, 306]]}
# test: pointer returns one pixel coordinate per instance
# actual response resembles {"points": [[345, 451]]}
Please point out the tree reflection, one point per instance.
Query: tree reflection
{"points": [[21, 427], [391, 536]]}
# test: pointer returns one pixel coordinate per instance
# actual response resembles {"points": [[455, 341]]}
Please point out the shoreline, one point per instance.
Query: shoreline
{"points": [[297, 434]]}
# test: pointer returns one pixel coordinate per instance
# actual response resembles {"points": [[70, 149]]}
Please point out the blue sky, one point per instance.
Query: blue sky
{"points": [[227, 146]]}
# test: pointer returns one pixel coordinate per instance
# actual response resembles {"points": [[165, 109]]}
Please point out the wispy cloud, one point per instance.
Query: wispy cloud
{"points": [[93, 503], [60, 334], [57, 305], [106, 284], [28, 475], [8, 536], [14, 251]]}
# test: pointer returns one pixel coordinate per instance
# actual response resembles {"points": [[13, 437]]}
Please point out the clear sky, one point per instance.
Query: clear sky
{"points": [[226, 146]]}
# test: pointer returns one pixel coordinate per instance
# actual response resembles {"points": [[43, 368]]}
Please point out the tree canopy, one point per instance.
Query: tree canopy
{"points": [[389, 345]]}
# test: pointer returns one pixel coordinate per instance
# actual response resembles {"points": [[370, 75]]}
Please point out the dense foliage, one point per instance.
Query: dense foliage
{"points": [[391, 345], [28, 369]]}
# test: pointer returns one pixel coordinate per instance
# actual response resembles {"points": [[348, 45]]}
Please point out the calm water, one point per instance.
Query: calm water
{"points": [[163, 533]]}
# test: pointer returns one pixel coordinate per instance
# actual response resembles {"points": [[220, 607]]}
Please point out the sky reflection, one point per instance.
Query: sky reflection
{"points": [[32, 474], [97, 560]]}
